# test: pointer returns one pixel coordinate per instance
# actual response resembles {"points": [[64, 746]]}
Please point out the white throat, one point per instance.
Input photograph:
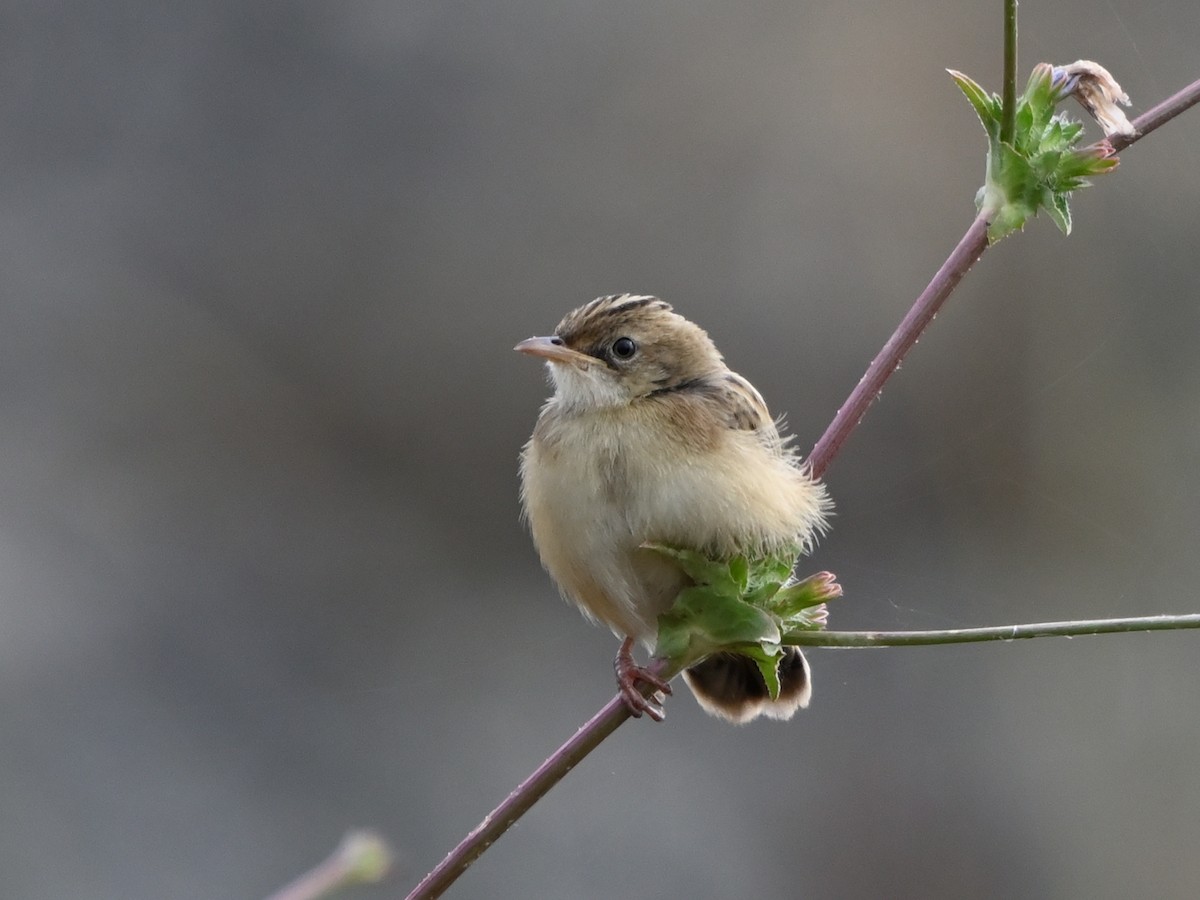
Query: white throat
{"points": [[590, 388]]}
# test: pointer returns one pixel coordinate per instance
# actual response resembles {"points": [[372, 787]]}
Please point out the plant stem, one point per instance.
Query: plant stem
{"points": [[529, 791], [1159, 115], [970, 247], [1008, 111], [991, 633], [361, 858]]}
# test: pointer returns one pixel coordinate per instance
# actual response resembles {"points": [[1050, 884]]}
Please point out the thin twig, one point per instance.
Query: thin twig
{"points": [[1077, 628], [1157, 116], [528, 792], [361, 858], [614, 713], [960, 260]]}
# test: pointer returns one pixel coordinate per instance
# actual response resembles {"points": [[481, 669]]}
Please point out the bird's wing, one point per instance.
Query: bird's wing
{"points": [[741, 405]]}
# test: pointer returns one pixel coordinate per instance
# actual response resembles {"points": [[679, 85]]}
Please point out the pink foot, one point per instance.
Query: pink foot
{"points": [[630, 677]]}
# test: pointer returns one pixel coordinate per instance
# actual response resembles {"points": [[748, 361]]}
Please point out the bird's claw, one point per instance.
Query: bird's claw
{"points": [[630, 681]]}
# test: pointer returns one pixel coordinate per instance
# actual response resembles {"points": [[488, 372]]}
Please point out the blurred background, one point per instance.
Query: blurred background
{"points": [[262, 576]]}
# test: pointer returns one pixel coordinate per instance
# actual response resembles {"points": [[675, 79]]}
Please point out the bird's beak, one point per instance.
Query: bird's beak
{"points": [[554, 350]]}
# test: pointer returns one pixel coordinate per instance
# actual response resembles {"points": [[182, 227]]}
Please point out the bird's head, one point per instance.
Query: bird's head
{"points": [[620, 348]]}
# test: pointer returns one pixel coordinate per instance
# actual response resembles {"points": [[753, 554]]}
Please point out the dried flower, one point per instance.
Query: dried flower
{"points": [[1097, 92]]}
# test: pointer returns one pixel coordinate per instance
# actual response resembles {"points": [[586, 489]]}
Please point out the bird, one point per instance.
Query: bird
{"points": [[649, 437]]}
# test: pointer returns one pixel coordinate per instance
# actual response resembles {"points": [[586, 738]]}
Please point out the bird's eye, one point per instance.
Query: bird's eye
{"points": [[624, 348]]}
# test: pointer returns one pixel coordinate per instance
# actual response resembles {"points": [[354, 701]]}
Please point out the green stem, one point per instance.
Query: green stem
{"points": [[1008, 115], [991, 633]]}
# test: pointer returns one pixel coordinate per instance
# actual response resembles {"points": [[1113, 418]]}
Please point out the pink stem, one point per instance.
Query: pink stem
{"points": [[960, 260]]}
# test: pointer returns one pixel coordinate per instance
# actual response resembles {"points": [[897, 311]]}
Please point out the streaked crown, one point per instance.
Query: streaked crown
{"points": [[641, 340]]}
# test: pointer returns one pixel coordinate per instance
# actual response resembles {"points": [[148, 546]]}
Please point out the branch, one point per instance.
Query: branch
{"points": [[1076, 628], [962, 257], [530, 791], [361, 858], [1157, 116]]}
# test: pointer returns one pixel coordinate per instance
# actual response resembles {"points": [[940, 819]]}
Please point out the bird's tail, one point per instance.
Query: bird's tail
{"points": [[732, 687]]}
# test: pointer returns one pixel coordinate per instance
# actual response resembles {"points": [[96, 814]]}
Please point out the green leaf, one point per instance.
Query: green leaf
{"points": [[1012, 187], [1060, 212], [674, 641], [761, 594], [703, 621], [987, 106], [700, 568], [767, 657], [739, 571], [771, 570], [1045, 165]]}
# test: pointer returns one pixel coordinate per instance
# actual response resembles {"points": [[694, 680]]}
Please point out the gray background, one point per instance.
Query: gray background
{"points": [[261, 571]]}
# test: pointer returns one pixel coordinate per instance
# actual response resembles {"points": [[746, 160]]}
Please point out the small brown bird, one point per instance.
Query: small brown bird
{"points": [[650, 437]]}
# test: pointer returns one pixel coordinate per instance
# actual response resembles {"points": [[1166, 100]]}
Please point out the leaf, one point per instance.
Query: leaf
{"points": [[700, 568], [987, 106], [1046, 164], [703, 621], [674, 641], [761, 594], [767, 658], [1008, 218], [771, 570], [739, 571], [1060, 211], [1014, 182]]}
